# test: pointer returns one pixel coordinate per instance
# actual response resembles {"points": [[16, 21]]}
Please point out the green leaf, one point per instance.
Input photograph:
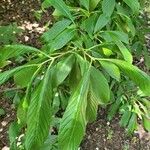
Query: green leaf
{"points": [[125, 52], [130, 24], [39, 113], [56, 103], [62, 7], [21, 114], [108, 7], [23, 77], [114, 36], [134, 5], [13, 134], [114, 108], [88, 24], [2, 112], [10, 51], [135, 74], [92, 107], [75, 76], [62, 69], [101, 22], [8, 33], [85, 3], [146, 123], [73, 124], [125, 118], [4, 76], [55, 30], [99, 86], [111, 69], [50, 143], [61, 40], [132, 123], [93, 4]]}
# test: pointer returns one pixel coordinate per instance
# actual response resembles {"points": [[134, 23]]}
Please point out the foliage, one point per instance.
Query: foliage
{"points": [[8, 34], [86, 57]]}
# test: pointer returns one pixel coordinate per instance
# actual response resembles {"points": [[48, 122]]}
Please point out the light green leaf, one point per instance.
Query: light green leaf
{"points": [[39, 113], [85, 3], [4, 76], [108, 7], [55, 30], [62, 7], [99, 86], [125, 52], [61, 40], [93, 4], [146, 123], [134, 5], [111, 69], [132, 123], [73, 124], [101, 22], [135, 74]]}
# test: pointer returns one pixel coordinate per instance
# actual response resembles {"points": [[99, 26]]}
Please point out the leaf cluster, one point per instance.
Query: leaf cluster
{"points": [[84, 53]]}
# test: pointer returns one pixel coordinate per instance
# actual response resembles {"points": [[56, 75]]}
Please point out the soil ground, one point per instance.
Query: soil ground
{"points": [[101, 135]]}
